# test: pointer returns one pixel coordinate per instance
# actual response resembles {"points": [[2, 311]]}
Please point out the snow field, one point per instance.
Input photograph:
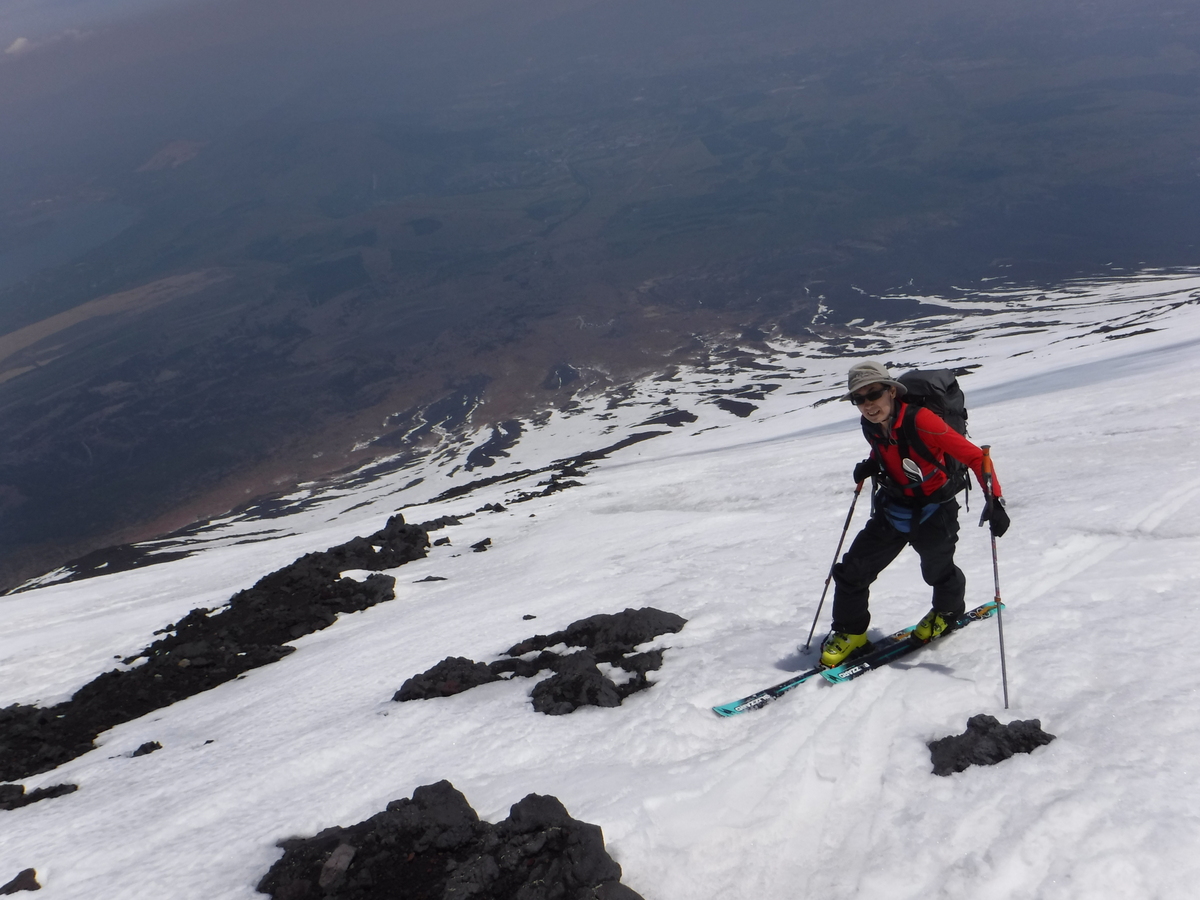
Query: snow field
{"points": [[825, 793]]}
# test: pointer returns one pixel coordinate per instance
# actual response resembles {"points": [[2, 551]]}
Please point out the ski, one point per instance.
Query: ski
{"points": [[900, 644], [762, 698], [882, 651]]}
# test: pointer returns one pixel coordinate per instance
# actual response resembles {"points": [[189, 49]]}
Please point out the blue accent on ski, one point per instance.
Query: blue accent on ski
{"points": [[763, 697]]}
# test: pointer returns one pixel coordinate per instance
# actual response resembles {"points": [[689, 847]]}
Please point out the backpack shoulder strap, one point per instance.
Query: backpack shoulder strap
{"points": [[910, 438]]}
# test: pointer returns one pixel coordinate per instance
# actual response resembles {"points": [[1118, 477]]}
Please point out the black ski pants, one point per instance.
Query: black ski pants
{"points": [[874, 549]]}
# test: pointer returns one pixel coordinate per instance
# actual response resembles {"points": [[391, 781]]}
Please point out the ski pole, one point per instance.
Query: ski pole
{"points": [[836, 554], [990, 499]]}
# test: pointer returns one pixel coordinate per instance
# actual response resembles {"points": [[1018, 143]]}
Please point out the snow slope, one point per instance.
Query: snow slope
{"points": [[1090, 398]]}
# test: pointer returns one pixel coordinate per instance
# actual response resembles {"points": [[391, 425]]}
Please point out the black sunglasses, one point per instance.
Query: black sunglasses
{"points": [[860, 399]]}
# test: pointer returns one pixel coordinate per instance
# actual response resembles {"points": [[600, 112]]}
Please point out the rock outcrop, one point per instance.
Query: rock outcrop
{"points": [[434, 845]]}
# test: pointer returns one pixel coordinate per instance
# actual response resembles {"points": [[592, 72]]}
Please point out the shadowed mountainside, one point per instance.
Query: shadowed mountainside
{"points": [[298, 255]]}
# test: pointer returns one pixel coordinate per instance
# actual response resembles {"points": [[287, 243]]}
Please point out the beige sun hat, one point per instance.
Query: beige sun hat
{"points": [[864, 373]]}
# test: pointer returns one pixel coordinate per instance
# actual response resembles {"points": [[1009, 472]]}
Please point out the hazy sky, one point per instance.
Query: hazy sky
{"points": [[39, 20]]}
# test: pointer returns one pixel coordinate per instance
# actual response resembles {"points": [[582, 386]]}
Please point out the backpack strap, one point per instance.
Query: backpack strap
{"points": [[909, 439], [879, 439]]}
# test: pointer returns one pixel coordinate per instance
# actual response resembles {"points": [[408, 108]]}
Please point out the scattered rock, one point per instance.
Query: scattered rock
{"points": [[13, 796], [562, 469], [435, 846], [147, 748], [429, 578], [209, 647], [675, 418], [451, 676], [122, 558], [442, 542], [985, 743], [739, 408], [641, 663], [527, 617], [481, 546], [444, 522], [504, 438], [26, 880], [577, 680], [552, 485], [608, 634], [492, 507], [335, 867]]}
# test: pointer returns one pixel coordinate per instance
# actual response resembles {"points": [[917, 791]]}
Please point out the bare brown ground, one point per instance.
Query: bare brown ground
{"points": [[137, 300], [517, 372]]}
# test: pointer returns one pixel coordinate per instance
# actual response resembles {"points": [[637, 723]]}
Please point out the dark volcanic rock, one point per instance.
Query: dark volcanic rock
{"points": [[562, 471], [504, 437], [525, 668], [641, 663], [452, 675], [435, 846], [209, 647], [672, 417], [147, 748], [551, 485], [26, 880], [444, 522], [985, 743], [13, 796], [593, 455], [739, 408], [607, 633], [577, 680], [121, 558]]}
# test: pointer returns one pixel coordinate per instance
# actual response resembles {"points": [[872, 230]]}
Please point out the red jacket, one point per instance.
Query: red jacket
{"points": [[942, 441]]}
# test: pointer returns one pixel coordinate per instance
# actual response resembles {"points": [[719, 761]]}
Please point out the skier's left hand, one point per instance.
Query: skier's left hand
{"points": [[996, 515]]}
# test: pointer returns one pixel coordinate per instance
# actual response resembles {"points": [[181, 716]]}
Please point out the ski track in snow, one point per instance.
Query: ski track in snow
{"points": [[730, 523]]}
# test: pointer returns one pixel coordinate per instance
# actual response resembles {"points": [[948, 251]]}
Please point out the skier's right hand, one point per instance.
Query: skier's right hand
{"points": [[865, 470]]}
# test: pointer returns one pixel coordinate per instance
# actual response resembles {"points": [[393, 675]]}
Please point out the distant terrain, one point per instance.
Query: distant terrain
{"points": [[286, 255]]}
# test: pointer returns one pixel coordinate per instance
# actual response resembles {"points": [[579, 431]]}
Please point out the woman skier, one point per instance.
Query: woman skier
{"points": [[913, 504]]}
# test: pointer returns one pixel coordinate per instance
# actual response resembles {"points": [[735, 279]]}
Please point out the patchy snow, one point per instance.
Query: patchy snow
{"points": [[1090, 399]]}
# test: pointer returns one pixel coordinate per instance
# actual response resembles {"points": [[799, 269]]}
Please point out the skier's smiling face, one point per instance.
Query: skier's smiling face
{"points": [[876, 402]]}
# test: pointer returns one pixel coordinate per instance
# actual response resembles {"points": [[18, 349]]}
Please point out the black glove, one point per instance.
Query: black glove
{"points": [[865, 469], [995, 515]]}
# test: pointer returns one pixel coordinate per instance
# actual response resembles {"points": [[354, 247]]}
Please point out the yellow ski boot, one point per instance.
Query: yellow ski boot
{"points": [[931, 626], [839, 646]]}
